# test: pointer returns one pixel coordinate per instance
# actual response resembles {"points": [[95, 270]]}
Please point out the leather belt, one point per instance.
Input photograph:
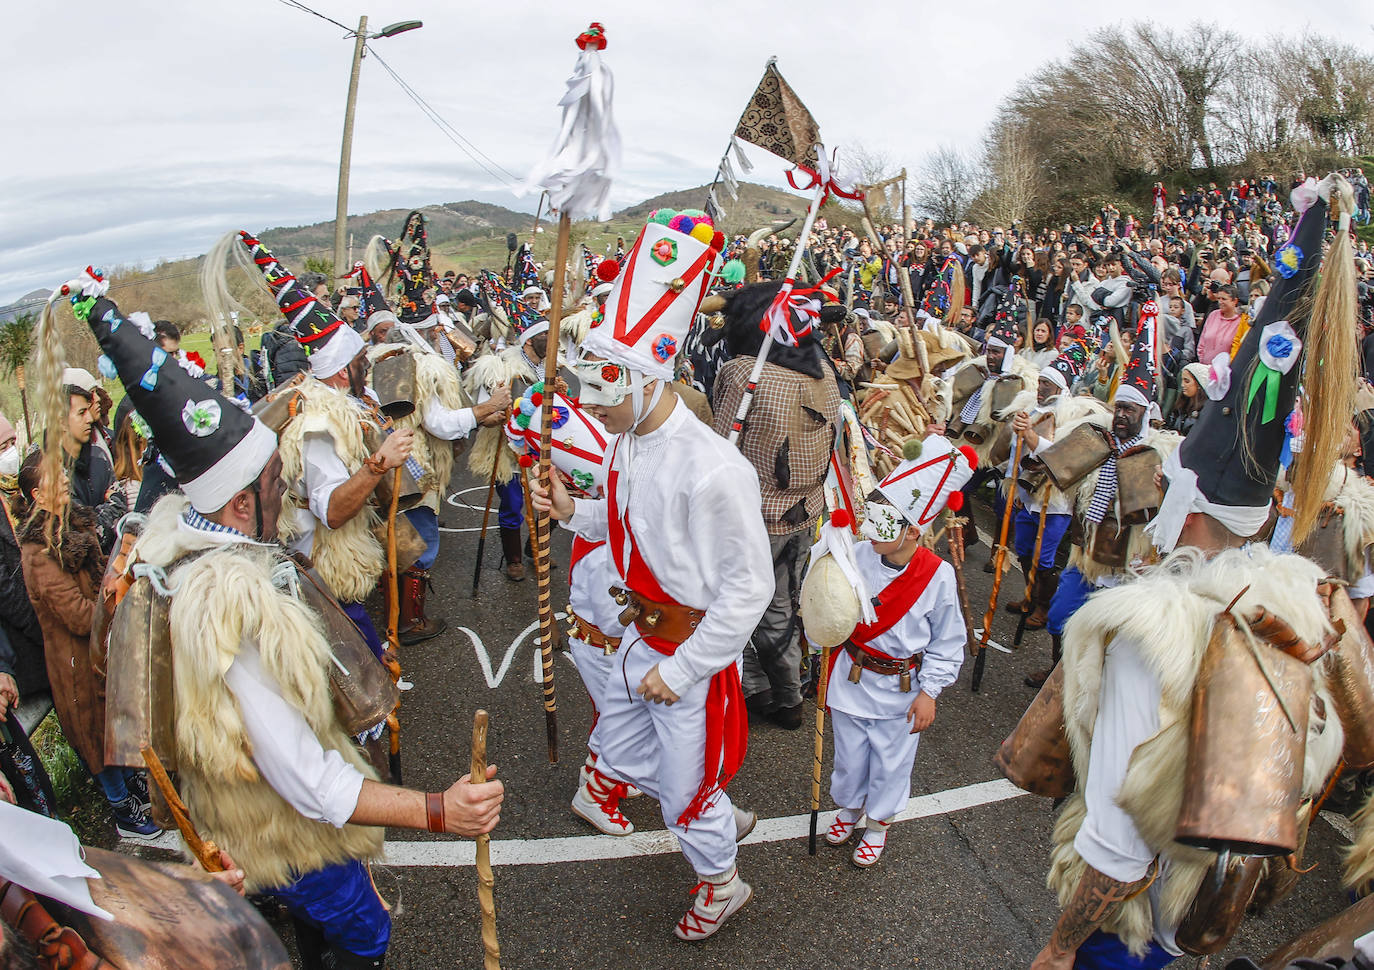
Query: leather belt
{"points": [[861, 660], [590, 634], [672, 622]]}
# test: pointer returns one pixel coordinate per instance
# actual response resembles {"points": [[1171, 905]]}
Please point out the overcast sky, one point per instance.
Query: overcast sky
{"points": [[141, 130]]}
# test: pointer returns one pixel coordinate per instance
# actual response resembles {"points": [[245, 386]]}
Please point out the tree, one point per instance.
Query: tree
{"points": [[946, 185], [1012, 180], [16, 347], [1200, 60]]}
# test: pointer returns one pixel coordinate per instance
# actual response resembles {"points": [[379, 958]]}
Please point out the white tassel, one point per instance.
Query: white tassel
{"points": [[714, 201], [745, 165], [586, 154]]}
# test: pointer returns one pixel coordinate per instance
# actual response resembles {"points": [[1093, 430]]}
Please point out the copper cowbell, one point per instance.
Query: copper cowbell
{"points": [[1035, 757]]}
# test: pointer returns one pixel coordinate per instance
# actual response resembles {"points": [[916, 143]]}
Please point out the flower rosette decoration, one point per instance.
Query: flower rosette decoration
{"points": [[201, 418], [1279, 351], [1218, 377]]}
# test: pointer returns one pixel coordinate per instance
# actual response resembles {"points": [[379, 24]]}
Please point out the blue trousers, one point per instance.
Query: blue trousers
{"points": [[1105, 951], [427, 524], [1073, 591], [363, 622], [342, 902], [1028, 524], [512, 507]]}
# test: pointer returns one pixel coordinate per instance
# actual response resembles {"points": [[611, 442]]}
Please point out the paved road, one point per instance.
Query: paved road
{"points": [[961, 883]]}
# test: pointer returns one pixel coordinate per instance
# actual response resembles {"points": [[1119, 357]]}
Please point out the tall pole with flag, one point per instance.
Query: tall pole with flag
{"points": [[577, 177], [776, 120]]}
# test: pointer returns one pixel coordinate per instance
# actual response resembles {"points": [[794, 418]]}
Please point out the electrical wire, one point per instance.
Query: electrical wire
{"points": [[467, 147], [300, 6]]}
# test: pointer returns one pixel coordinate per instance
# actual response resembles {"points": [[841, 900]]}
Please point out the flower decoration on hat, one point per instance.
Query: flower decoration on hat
{"points": [[201, 418], [664, 252], [1288, 260], [594, 36], [1279, 350], [665, 347]]}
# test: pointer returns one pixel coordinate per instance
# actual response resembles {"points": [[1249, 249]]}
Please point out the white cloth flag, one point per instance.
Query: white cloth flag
{"points": [[585, 157]]}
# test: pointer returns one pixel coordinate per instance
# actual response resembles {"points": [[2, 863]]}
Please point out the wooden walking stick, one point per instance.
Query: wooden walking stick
{"points": [[486, 882], [393, 635], [999, 564], [539, 537], [955, 531], [1035, 564], [486, 514], [205, 851], [821, 684]]}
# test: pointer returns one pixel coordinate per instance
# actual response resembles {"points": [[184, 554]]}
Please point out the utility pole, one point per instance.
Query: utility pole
{"points": [[345, 154]]}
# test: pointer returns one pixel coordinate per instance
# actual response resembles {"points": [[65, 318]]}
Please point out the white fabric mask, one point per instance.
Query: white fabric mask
{"points": [[9, 460], [882, 523]]}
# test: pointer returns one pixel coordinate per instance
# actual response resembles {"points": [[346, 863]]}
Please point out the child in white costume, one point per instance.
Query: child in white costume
{"points": [[886, 677]]}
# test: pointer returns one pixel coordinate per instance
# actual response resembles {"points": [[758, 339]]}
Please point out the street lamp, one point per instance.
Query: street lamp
{"points": [[361, 37]]}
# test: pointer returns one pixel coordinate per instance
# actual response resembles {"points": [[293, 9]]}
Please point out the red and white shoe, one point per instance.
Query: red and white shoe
{"points": [[842, 829], [870, 847], [631, 791], [717, 899], [598, 801]]}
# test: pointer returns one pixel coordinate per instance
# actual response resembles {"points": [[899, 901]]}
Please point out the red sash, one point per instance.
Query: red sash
{"points": [[580, 548], [727, 724], [893, 603]]}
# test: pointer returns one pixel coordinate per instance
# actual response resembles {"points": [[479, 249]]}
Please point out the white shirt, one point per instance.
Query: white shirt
{"points": [[934, 627], [694, 506], [1059, 505], [322, 471], [448, 423], [319, 784], [1127, 715]]}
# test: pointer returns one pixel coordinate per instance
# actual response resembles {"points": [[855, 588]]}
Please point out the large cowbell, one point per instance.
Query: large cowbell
{"points": [[1247, 744]]}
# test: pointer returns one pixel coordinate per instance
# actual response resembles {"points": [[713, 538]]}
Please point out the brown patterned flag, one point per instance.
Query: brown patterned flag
{"points": [[777, 121]]}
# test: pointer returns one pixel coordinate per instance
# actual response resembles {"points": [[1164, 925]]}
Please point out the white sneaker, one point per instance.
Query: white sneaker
{"points": [[870, 847], [744, 823], [598, 802], [842, 829], [717, 899]]}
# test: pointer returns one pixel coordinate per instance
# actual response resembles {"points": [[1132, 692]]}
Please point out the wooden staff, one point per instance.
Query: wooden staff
{"points": [[205, 851], [486, 516], [955, 531], [821, 685], [486, 882], [1035, 564], [393, 636], [548, 627], [999, 564]]}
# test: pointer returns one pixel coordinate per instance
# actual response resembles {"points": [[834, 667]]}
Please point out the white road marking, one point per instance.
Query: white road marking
{"points": [[494, 678], [456, 501], [978, 632], [1341, 824], [593, 848]]}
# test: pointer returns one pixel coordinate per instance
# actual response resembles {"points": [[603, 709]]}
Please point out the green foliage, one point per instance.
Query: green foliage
{"points": [[80, 801], [16, 342], [319, 264]]}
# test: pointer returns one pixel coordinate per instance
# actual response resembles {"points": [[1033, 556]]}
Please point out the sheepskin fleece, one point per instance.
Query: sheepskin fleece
{"points": [[1353, 494], [487, 373], [1140, 548], [223, 599], [435, 379], [1172, 643], [348, 558]]}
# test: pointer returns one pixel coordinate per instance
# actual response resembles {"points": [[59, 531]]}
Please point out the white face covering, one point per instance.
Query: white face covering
{"points": [[9, 460], [882, 523]]}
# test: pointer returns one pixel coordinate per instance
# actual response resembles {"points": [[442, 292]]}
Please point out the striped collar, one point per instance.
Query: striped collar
{"points": [[213, 532]]}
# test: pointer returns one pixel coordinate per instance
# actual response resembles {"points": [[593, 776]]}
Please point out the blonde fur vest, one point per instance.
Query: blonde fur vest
{"points": [[221, 600], [348, 558], [1353, 494], [1171, 643], [484, 376], [1139, 548], [1070, 410], [435, 380]]}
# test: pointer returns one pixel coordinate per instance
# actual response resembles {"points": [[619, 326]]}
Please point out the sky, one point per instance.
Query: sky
{"points": [[140, 131]]}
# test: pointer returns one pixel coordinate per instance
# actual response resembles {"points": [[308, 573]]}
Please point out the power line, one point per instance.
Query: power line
{"points": [[300, 6], [453, 135]]}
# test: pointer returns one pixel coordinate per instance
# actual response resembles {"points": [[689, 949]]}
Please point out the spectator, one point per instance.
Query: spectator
{"points": [[63, 565], [1224, 327], [1186, 409]]}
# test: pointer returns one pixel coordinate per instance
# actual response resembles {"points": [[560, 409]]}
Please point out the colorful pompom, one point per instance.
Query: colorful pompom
{"points": [[526, 460], [841, 519], [522, 422], [911, 449], [682, 224], [703, 233], [718, 241], [972, 456], [538, 388], [697, 214], [607, 270], [536, 399], [662, 216], [955, 502]]}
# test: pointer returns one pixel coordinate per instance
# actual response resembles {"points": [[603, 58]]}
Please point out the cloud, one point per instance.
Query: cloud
{"points": [[160, 125]]}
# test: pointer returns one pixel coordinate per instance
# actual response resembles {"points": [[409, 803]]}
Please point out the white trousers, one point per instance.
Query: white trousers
{"points": [[873, 759], [594, 667], [662, 750]]}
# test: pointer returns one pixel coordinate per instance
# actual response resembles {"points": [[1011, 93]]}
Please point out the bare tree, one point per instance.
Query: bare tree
{"points": [[1199, 59], [946, 185], [1011, 176]]}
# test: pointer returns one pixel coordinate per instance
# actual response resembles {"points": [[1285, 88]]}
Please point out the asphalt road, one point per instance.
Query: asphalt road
{"points": [[960, 885]]}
